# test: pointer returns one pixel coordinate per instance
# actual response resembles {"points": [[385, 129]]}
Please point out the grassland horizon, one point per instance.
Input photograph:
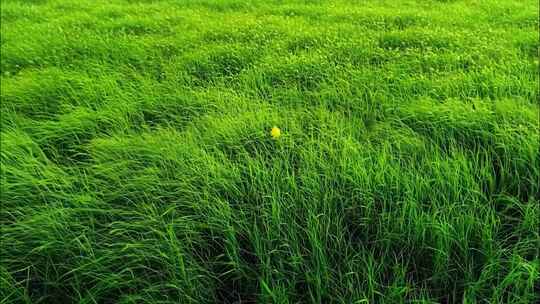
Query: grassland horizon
{"points": [[228, 151]]}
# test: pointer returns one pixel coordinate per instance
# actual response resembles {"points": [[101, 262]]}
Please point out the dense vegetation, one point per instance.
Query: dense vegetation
{"points": [[137, 164]]}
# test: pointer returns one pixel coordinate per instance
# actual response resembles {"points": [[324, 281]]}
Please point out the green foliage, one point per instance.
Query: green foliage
{"points": [[137, 164]]}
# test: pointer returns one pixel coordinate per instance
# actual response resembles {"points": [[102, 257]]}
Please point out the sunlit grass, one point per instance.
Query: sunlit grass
{"points": [[224, 151]]}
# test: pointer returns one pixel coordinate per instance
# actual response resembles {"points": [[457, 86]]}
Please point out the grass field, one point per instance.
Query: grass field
{"points": [[137, 164]]}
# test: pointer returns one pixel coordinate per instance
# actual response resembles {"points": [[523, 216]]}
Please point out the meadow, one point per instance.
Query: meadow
{"points": [[137, 164]]}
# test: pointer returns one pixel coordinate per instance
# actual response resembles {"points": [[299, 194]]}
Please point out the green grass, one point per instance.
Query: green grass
{"points": [[137, 165]]}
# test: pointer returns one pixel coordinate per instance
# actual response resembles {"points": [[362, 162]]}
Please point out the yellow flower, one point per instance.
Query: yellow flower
{"points": [[275, 132]]}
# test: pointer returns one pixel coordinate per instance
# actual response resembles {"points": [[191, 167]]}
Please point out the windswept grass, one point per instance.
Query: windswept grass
{"points": [[137, 164]]}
